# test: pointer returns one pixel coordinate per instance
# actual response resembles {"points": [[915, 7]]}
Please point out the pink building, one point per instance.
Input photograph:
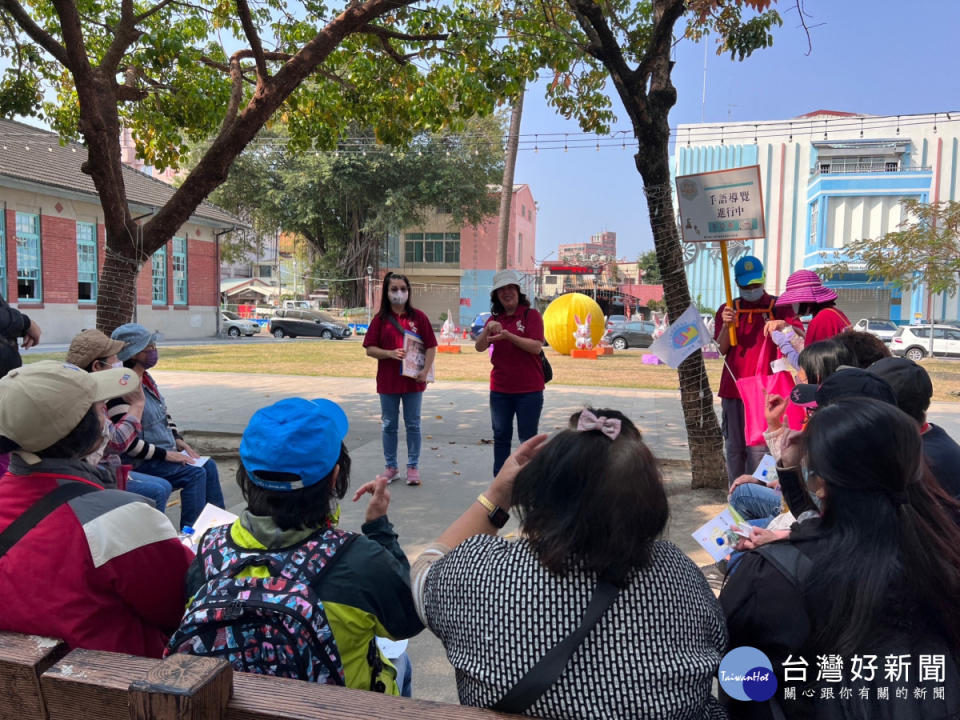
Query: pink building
{"points": [[451, 268]]}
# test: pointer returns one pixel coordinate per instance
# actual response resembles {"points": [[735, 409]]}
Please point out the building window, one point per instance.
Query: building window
{"points": [[550, 280], [266, 271], [159, 267], [86, 262], [431, 248], [29, 278], [519, 248], [814, 221], [179, 271]]}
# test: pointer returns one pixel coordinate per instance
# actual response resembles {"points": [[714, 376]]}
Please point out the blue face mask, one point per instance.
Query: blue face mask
{"points": [[751, 294], [813, 496]]}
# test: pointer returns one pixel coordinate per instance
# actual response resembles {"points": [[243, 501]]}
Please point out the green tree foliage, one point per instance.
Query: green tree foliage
{"points": [[177, 73], [345, 202], [925, 250], [649, 267], [589, 43]]}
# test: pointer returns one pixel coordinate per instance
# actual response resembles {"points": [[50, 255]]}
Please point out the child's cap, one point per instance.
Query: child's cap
{"points": [[296, 436]]}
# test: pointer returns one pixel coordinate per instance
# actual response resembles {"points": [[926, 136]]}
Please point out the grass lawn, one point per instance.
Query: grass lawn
{"points": [[347, 359]]}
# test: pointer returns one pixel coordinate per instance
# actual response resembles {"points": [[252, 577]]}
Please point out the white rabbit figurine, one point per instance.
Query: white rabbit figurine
{"points": [[448, 330], [581, 336]]}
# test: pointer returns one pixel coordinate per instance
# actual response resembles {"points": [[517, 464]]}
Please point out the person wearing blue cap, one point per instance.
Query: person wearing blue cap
{"points": [[286, 549], [159, 450], [752, 355]]}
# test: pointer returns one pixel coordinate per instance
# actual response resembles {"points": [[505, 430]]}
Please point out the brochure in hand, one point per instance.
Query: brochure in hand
{"points": [[415, 356]]}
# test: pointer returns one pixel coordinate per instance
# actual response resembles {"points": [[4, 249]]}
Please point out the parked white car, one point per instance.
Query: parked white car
{"points": [[913, 341], [883, 329]]}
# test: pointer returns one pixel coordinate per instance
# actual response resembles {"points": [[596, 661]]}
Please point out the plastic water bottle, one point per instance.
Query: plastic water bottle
{"points": [[186, 536]]}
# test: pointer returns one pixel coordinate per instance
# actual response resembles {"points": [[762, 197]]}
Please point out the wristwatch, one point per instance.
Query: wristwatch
{"points": [[496, 515]]}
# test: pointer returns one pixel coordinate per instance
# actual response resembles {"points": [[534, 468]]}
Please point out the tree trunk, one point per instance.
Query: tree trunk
{"points": [[708, 468], [117, 292], [506, 187]]}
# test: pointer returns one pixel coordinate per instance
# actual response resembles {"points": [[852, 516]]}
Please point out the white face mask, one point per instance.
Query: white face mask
{"points": [[751, 294], [96, 456], [398, 298]]}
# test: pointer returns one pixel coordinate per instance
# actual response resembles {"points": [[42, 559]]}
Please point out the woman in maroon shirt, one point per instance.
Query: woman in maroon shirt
{"points": [[384, 341], [515, 330]]}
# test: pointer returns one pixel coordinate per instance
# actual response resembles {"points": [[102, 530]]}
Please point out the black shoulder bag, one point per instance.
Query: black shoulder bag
{"points": [[39, 510], [549, 668], [547, 368]]}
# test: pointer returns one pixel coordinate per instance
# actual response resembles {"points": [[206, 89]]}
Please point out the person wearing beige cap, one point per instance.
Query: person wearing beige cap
{"points": [[99, 568], [514, 334], [93, 351]]}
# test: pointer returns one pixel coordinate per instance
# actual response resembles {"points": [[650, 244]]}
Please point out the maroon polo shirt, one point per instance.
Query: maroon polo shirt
{"points": [[516, 370], [384, 335]]}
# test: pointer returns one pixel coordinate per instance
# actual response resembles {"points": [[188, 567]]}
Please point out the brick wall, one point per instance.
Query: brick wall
{"points": [[11, 250], [202, 264], [59, 259]]}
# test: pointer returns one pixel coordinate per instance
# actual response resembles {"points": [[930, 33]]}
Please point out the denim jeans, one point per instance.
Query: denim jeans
{"points": [[198, 485], [754, 501], [153, 488], [404, 674], [503, 407], [390, 417]]}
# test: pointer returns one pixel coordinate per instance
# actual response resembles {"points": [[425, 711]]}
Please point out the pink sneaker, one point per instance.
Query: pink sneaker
{"points": [[413, 476], [390, 474]]}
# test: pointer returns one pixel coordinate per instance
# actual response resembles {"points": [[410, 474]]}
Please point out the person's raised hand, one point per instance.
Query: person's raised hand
{"points": [[501, 489], [773, 409], [774, 325], [791, 448], [32, 336], [728, 316], [179, 458], [135, 398], [492, 329], [742, 480], [379, 500]]}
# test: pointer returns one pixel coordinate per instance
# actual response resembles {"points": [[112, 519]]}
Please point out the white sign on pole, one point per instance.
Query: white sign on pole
{"points": [[721, 205]]}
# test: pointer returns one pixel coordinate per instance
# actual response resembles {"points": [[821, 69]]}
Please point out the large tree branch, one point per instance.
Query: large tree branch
{"points": [[234, 136], [152, 11], [125, 33], [243, 10], [666, 14], [36, 33], [383, 32]]}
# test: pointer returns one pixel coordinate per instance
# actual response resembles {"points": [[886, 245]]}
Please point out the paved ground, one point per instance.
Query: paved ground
{"points": [[455, 464]]}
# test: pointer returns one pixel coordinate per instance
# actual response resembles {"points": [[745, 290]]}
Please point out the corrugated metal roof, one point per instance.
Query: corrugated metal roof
{"points": [[32, 155]]}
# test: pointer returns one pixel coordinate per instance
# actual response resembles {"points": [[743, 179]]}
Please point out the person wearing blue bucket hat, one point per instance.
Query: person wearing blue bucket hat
{"points": [[294, 468], [159, 449], [752, 355]]}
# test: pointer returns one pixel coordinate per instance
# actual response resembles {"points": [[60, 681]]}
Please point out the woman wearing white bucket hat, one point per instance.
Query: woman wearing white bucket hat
{"points": [[514, 332]]}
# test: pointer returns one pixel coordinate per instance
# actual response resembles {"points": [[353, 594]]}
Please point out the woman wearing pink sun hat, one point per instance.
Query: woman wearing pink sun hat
{"points": [[806, 293]]}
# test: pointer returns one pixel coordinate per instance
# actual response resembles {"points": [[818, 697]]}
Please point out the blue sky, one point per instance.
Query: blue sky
{"points": [[871, 56]]}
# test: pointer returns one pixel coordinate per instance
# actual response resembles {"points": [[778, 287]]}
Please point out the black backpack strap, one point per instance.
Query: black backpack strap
{"points": [[398, 326], [789, 561], [39, 510], [545, 673]]}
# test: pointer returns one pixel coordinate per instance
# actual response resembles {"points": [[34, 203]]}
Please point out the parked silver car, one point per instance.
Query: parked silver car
{"points": [[235, 326]]}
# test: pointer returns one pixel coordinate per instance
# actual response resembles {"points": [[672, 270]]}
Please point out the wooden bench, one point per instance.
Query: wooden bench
{"points": [[41, 679]]}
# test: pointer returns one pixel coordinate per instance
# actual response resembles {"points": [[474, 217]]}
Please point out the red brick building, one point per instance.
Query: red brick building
{"points": [[53, 243]]}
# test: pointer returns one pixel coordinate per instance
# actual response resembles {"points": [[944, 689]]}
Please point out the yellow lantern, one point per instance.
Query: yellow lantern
{"points": [[559, 324]]}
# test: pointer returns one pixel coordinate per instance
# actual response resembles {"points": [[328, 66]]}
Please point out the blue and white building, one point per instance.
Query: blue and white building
{"points": [[829, 178]]}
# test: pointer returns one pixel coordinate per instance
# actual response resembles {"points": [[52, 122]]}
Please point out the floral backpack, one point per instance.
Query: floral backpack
{"points": [[272, 625]]}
